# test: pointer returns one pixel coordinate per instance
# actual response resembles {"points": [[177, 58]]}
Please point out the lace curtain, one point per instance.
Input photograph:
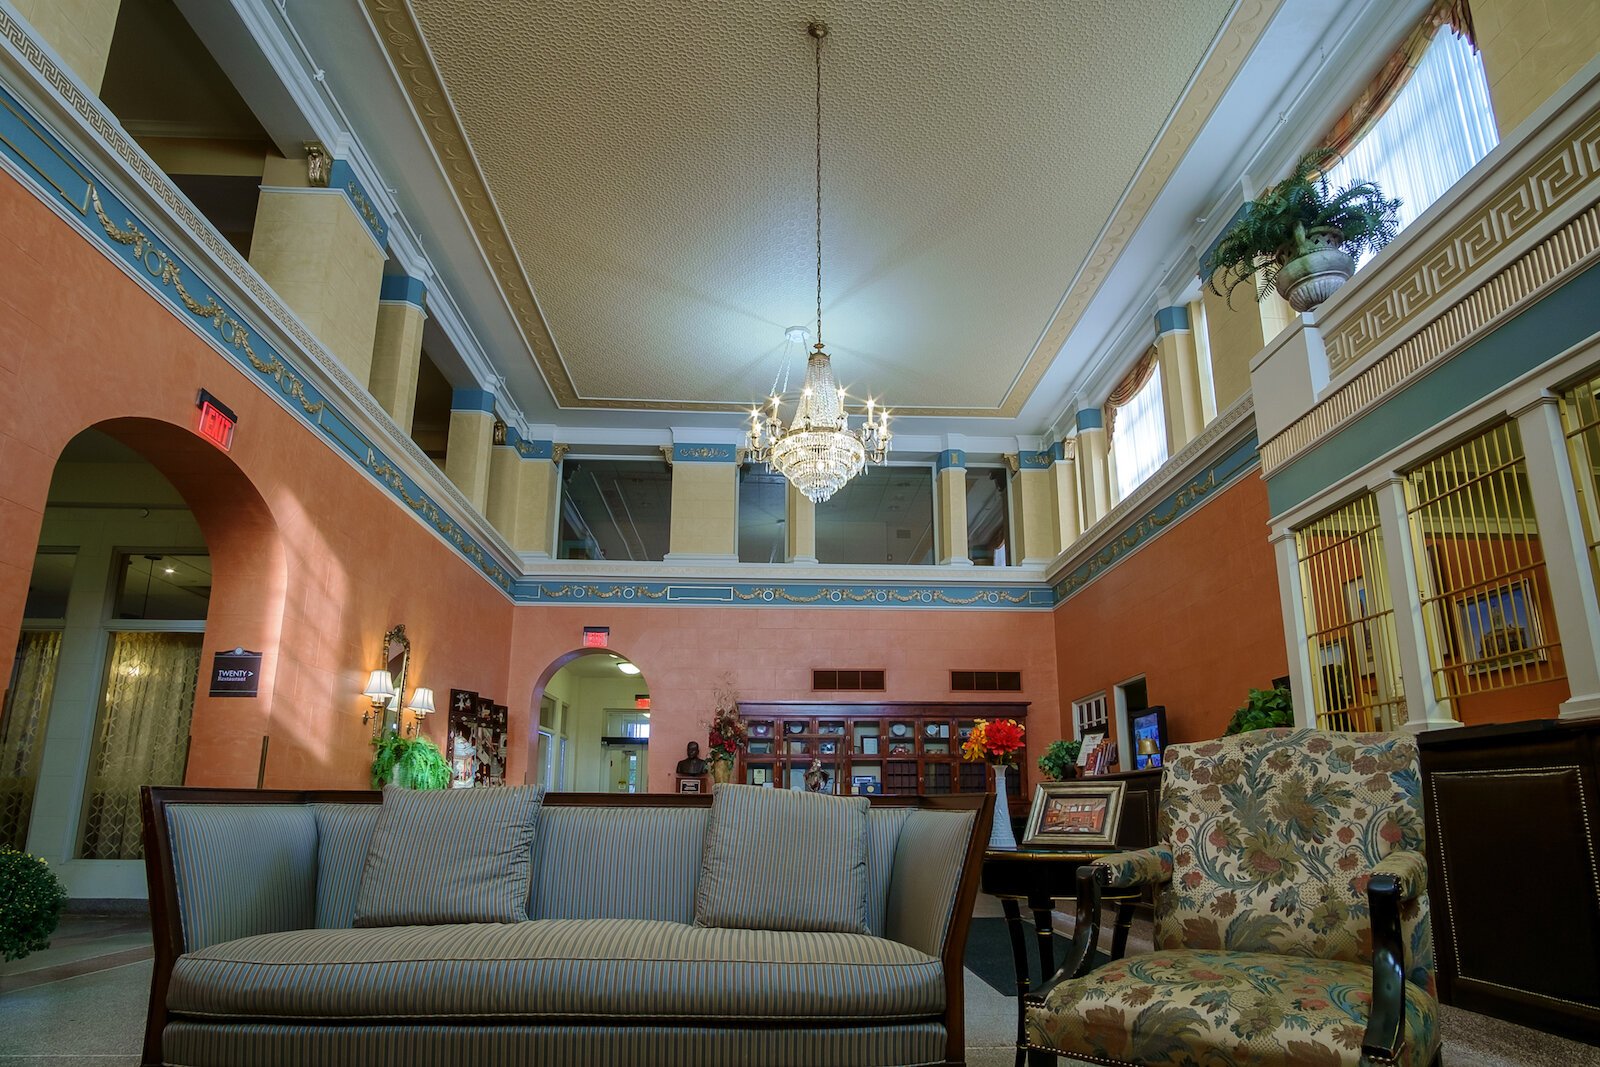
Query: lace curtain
{"points": [[22, 725], [1136, 424], [1434, 129], [142, 736]]}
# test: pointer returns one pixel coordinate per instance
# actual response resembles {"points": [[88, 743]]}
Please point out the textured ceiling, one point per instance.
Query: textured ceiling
{"points": [[651, 166]]}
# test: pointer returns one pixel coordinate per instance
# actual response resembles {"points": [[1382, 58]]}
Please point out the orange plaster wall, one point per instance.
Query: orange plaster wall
{"points": [[80, 344], [1195, 611], [770, 652]]}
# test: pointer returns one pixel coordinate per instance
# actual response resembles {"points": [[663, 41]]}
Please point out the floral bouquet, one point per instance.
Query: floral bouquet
{"points": [[729, 734], [996, 742]]}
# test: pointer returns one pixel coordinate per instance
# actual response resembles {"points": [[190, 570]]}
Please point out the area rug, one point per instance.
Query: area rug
{"points": [[989, 954]]}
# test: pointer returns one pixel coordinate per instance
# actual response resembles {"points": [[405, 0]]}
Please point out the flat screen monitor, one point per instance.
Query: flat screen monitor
{"points": [[1149, 737]]}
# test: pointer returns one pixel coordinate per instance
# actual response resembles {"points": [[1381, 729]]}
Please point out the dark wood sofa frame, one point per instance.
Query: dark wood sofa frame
{"points": [[168, 930]]}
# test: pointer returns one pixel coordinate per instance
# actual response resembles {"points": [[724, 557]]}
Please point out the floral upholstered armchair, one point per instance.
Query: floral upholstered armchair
{"points": [[1291, 916]]}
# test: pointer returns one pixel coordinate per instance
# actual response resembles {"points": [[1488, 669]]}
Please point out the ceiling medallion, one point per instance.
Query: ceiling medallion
{"points": [[819, 452]]}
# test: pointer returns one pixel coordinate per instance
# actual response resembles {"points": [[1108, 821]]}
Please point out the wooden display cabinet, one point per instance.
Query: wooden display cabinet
{"points": [[907, 748]]}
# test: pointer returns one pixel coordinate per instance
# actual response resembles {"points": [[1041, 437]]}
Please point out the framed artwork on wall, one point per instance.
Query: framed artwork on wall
{"points": [[477, 741], [1081, 814], [1500, 628]]}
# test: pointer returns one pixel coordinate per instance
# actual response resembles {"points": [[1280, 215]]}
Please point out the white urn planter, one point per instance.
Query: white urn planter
{"points": [[1307, 279]]}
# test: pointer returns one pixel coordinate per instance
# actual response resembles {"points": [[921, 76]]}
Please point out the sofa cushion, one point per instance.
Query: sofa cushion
{"points": [[617, 863], [637, 969], [242, 868], [344, 836], [776, 859], [450, 856]]}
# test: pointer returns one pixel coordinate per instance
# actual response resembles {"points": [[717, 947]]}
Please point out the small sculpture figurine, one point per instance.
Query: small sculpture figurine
{"points": [[817, 779], [692, 766]]}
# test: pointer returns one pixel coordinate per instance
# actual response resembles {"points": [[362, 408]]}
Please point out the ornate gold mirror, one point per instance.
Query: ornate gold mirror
{"points": [[396, 655]]}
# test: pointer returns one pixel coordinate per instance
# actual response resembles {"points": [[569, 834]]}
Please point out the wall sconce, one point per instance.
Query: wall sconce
{"points": [[421, 704], [380, 690]]}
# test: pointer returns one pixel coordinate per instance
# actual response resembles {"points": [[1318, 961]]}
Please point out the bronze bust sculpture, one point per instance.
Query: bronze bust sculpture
{"points": [[692, 766]]}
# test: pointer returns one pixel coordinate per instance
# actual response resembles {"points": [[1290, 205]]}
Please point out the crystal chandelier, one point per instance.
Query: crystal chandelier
{"points": [[819, 452]]}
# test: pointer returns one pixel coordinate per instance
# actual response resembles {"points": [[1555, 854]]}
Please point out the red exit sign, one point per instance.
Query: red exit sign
{"points": [[596, 636], [217, 421]]}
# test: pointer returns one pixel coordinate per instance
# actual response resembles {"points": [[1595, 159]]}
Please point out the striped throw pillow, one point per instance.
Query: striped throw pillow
{"points": [[450, 856], [777, 859]]}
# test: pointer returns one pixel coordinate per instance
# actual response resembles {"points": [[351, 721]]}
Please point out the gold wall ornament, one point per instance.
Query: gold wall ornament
{"points": [[165, 270], [364, 207], [666, 453], [319, 165], [1013, 462], [440, 521], [558, 453]]}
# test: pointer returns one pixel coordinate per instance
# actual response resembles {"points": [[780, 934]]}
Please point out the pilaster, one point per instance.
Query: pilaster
{"points": [[1424, 709], [80, 32], [1036, 508], [1180, 377], [467, 455], [322, 254], [705, 503], [1291, 602], [952, 508], [801, 526], [397, 347], [1565, 546], [524, 494], [1094, 471], [1065, 472]]}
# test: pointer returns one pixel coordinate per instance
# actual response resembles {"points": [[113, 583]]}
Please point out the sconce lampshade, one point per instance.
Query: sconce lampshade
{"points": [[421, 701], [380, 686]]}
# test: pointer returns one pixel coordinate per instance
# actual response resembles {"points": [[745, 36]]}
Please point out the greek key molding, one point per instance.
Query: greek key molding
{"points": [[1563, 176], [1555, 259]]}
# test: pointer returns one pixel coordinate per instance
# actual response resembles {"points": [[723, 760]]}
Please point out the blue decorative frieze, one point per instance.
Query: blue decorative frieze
{"points": [[403, 289], [472, 400], [1058, 452], [535, 449], [106, 221], [787, 594], [1176, 504], [342, 176], [952, 458], [1171, 319], [1091, 419], [693, 453], [1034, 461]]}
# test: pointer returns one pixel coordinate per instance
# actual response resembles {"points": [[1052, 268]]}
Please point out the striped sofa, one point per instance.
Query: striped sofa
{"points": [[253, 893]]}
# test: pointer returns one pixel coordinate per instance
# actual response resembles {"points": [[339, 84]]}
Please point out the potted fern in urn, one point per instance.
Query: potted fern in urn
{"points": [[1301, 236]]}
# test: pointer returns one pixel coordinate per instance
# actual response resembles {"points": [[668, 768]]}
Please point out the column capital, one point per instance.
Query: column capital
{"points": [[1171, 319], [1090, 419], [695, 452], [404, 289], [472, 400], [952, 458]]}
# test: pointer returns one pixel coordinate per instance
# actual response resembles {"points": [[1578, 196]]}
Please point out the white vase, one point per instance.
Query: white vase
{"points": [[1000, 835]]}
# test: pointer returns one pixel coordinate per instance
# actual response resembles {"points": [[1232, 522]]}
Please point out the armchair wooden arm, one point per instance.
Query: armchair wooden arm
{"points": [[1386, 1023]]}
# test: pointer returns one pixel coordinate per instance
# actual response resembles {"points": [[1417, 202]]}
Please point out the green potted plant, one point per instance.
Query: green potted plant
{"points": [[1301, 237], [1060, 760], [31, 899], [1263, 710], [408, 762]]}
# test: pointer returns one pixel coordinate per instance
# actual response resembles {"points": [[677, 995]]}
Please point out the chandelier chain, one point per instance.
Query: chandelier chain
{"points": [[816, 38]]}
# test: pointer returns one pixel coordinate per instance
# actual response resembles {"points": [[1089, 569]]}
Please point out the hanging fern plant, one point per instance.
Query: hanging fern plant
{"points": [[408, 762], [1296, 217]]}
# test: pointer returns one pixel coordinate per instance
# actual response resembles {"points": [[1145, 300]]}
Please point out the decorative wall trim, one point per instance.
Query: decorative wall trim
{"points": [[787, 594], [1548, 265], [1034, 461], [1091, 419], [951, 458], [343, 178], [472, 400], [402, 40], [403, 289], [1564, 175], [1171, 319], [697, 453]]}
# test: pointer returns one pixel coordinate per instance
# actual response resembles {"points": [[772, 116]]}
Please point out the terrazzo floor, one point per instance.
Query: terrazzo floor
{"points": [[83, 1001]]}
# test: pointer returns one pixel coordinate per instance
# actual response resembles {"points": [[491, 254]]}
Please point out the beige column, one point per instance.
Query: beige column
{"points": [[524, 494], [951, 483], [1237, 333], [1035, 508], [79, 31], [1180, 377], [801, 527], [705, 504], [1531, 50], [1424, 709], [322, 256], [1065, 472], [467, 455], [397, 348], [1094, 471]]}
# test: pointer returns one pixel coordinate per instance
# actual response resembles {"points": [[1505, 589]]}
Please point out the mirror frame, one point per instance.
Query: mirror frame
{"points": [[396, 645]]}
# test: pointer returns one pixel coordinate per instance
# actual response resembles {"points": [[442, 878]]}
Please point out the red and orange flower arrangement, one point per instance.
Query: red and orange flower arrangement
{"points": [[994, 742]]}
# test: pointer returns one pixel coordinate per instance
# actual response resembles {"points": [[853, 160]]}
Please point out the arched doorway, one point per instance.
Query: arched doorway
{"points": [[593, 710], [141, 550]]}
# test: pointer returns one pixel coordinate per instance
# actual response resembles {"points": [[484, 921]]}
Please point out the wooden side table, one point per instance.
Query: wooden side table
{"points": [[1040, 877]]}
